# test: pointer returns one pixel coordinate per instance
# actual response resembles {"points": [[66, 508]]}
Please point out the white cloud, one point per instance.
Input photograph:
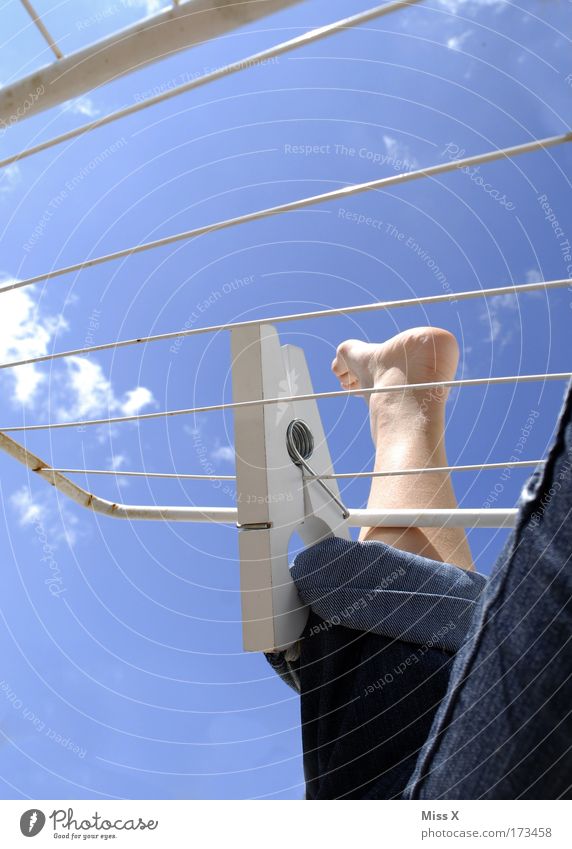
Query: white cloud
{"points": [[500, 317], [83, 105], [196, 429], [507, 302], [78, 387], [9, 178], [28, 511], [89, 393], [116, 461], [454, 6], [533, 275], [457, 41], [24, 334], [136, 399], [391, 145], [399, 154], [224, 453], [38, 509], [502, 312]]}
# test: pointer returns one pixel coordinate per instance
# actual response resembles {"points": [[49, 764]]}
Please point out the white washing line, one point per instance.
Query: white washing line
{"points": [[287, 399], [122, 42], [42, 28], [511, 464], [379, 305], [303, 203], [473, 467]]}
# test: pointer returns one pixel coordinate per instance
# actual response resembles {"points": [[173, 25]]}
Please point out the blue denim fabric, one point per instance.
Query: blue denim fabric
{"points": [[383, 717], [380, 618], [504, 728], [367, 705], [370, 586]]}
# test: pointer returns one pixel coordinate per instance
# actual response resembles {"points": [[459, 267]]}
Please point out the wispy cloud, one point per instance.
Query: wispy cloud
{"points": [[90, 394], [501, 312], [28, 510], [25, 334], [456, 41], [198, 428], [38, 509], [117, 461], [135, 400], [399, 152], [225, 453], [454, 6], [150, 6], [533, 275], [500, 317], [77, 388], [83, 105], [9, 178]]}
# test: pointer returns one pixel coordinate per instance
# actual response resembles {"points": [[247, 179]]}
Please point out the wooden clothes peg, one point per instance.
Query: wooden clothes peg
{"points": [[273, 498]]}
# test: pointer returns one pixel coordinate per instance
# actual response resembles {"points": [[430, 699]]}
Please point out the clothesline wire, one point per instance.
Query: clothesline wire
{"points": [[337, 311], [48, 38], [292, 206], [472, 467], [510, 464], [309, 37], [258, 402]]}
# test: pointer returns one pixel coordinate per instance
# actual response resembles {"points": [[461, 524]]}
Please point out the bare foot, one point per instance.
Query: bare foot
{"points": [[419, 355]]}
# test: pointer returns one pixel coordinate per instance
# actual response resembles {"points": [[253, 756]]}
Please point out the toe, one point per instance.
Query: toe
{"points": [[341, 363]]}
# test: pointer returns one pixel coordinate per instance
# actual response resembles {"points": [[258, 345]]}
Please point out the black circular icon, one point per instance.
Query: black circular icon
{"points": [[32, 822]]}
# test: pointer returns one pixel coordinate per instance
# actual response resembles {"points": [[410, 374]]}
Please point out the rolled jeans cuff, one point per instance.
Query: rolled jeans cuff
{"points": [[373, 587]]}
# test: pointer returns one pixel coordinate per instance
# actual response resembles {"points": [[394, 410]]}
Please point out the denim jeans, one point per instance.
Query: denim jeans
{"points": [[419, 681]]}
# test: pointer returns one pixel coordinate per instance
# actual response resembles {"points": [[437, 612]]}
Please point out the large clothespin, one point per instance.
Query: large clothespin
{"points": [[276, 445]]}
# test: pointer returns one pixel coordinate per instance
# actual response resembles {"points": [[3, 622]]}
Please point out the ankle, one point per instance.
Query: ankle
{"points": [[409, 413]]}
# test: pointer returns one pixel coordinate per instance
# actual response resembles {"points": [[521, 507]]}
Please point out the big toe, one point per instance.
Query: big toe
{"points": [[347, 356]]}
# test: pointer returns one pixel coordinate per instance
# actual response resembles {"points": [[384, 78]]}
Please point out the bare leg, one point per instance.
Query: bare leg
{"points": [[408, 431]]}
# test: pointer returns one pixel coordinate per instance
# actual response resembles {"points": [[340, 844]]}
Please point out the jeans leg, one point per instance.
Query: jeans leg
{"points": [[367, 704], [504, 729]]}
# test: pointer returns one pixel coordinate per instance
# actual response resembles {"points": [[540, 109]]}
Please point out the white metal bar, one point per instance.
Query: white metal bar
{"points": [[42, 28], [12, 96], [168, 32], [515, 289], [440, 518], [474, 467], [343, 393], [292, 206], [118, 474]]}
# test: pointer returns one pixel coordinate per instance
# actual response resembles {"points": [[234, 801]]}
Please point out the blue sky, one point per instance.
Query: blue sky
{"points": [[122, 672]]}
